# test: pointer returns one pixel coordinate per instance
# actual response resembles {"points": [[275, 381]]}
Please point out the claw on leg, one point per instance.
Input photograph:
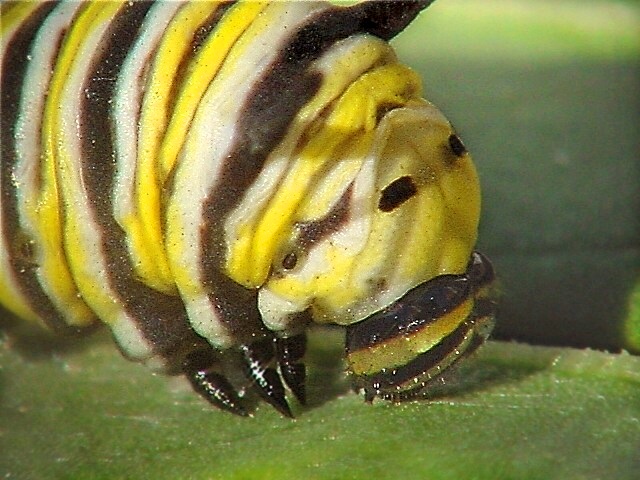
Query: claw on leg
{"points": [[258, 361], [369, 394], [289, 352], [211, 385]]}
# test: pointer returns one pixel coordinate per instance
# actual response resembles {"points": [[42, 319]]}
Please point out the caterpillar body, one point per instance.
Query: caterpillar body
{"points": [[213, 177]]}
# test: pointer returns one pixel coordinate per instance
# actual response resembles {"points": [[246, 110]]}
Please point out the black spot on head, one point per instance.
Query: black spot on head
{"points": [[289, 261], [396, 193], [456, 145]]}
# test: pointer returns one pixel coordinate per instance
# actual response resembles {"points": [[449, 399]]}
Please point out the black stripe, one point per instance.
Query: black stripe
{"points": [[431, 364], [14, 66], [315, 231], [161, 318], [266, 116], [473, 344], [386, 19], [422, 305], [312, 232], [388, 381], [484, 307], [200, 37]]}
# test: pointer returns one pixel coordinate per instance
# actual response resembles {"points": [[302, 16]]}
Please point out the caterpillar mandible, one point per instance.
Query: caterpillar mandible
{"points": [[208, 178]]}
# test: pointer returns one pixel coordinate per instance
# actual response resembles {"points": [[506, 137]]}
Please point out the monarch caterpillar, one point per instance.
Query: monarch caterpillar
{"points": [[208, 178]]}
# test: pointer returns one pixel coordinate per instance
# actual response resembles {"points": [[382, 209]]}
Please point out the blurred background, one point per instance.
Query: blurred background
{"points": [[546, 96]]}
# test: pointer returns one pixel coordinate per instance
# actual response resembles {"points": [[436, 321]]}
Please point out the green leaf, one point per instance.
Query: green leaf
{"points": [[632, 325], [512, 412]]}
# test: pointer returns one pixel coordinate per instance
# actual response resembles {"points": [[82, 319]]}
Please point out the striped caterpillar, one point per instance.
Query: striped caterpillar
{"points": [[210, 178]]}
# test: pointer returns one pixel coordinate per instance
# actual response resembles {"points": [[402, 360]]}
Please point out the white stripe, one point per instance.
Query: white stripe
{"points": [[128, 103], [210, 139], [338, 69], [35, 87], [9, 284], [82, 233]]}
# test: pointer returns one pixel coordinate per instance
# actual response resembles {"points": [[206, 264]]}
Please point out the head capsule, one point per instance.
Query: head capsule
{"points": [[369, 206], [394, 213], [397, 351]]}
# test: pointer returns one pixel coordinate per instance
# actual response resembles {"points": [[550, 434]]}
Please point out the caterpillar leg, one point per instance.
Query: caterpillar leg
{"points": [[259, 368], [213, 386], [289, 353], [259, 361]]}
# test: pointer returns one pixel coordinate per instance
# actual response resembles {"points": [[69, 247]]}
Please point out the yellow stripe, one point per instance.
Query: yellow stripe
{"points": [[227, 74], [143, 229], [47, 213], [199, 75], [340, 67], [423, 379], [11, 298], [13, 14], [399, 351], [89, 23], [352, 118], [163, 132]]}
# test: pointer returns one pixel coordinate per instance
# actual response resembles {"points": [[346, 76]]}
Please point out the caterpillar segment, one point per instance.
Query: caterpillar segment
{"points": [[210, 178]]}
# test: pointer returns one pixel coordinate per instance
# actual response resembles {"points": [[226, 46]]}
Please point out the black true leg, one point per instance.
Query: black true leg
{"points": [[369, 394], [211, 385], [258, 360], [289, 352]]}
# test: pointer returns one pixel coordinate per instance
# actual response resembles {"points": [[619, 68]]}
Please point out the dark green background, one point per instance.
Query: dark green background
{"points": [[546, 95]]}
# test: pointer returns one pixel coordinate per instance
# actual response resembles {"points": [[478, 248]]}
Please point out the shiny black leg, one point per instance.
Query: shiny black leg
{"points": [[289, 352], [259, 368], [369, 394], [211, 385]]}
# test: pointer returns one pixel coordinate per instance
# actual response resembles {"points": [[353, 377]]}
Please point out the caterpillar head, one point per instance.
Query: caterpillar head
{"points": [[361, 216], [390, 255]]}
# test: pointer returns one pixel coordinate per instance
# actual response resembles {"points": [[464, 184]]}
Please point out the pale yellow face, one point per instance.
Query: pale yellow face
{"points": [[405, 212], [368, 195]]}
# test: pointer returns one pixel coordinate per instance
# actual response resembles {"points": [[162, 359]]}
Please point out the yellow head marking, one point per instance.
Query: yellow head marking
{"points": [[377, 196]]}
